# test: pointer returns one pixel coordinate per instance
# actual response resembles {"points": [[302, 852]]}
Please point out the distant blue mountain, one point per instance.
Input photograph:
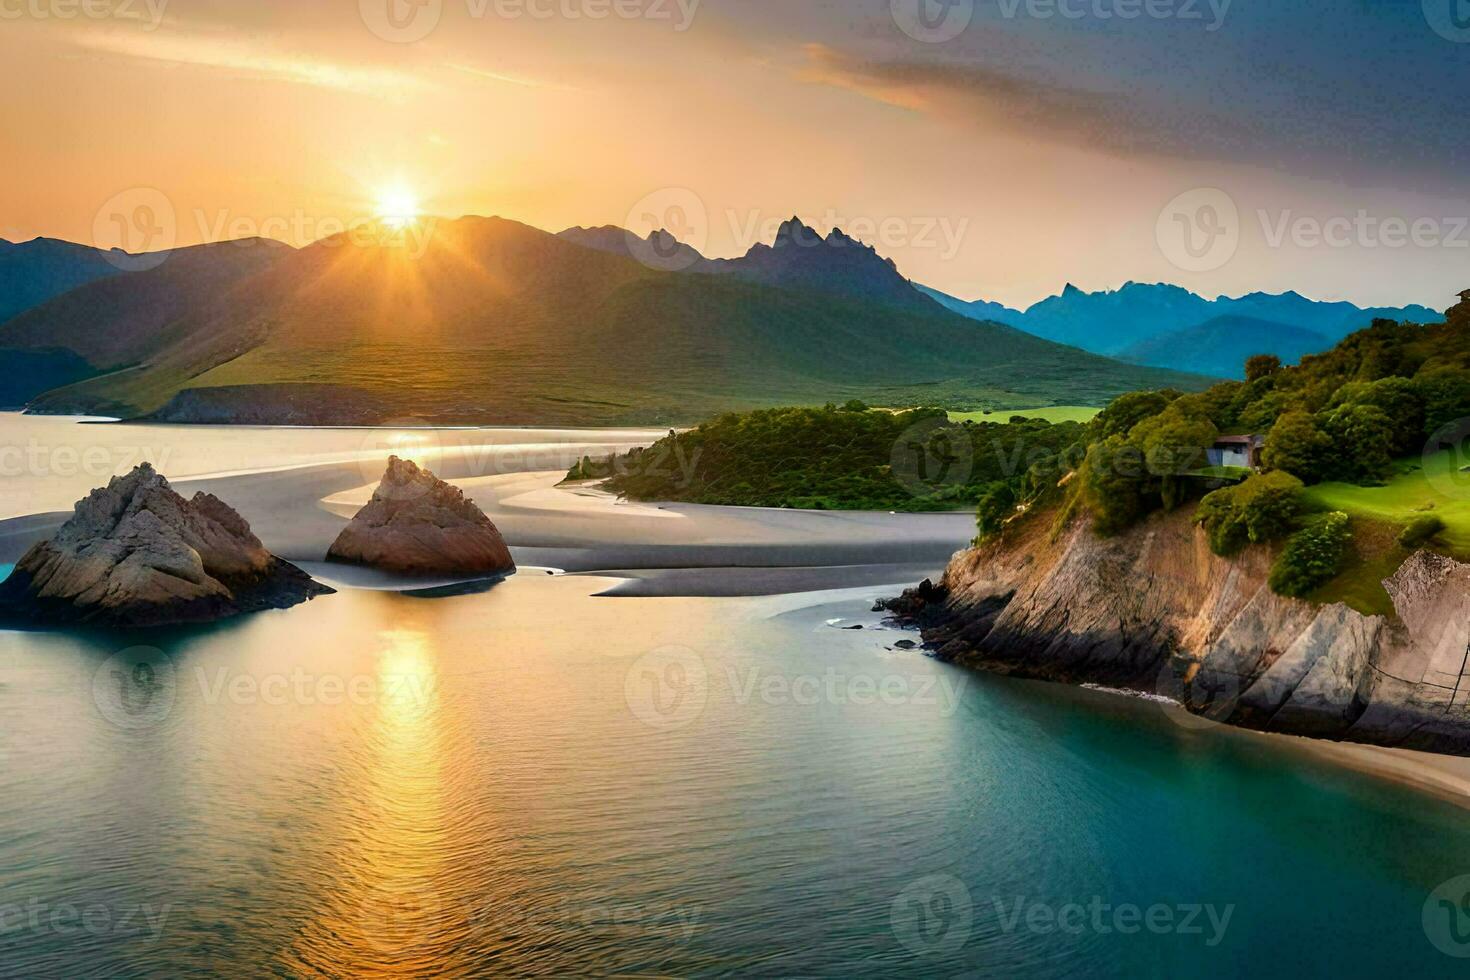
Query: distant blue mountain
{"points": [[1125, 320], [33, 272], [977, 309], [1219, 347]]}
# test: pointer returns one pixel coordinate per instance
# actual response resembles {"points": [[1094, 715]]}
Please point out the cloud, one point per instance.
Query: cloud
{"points": [[494, 76], [248, 59], [989, 99]]}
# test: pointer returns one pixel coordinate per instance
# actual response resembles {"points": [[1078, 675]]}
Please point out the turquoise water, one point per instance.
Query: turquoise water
{"points": [[533, 781]]}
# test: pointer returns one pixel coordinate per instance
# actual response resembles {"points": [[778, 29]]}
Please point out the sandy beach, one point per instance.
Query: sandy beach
{"points": [[299, 507]]}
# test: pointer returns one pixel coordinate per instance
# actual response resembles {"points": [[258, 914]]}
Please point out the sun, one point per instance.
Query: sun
{"points": [[398, 207]]}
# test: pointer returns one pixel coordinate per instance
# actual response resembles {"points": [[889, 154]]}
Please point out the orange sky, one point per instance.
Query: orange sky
{"points": [[289, 118]]}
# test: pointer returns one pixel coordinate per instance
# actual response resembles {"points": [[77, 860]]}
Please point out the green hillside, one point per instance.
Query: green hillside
{"points": [[497, 322]]}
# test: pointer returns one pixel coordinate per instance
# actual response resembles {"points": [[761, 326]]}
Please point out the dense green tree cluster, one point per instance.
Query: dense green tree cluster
{"points": [[1312, 557], [1346, 414], [1263, 508], [850, 457]]}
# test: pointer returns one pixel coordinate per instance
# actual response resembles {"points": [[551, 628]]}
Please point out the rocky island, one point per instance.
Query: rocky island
{"points": [[136, 554], [416, 524]]}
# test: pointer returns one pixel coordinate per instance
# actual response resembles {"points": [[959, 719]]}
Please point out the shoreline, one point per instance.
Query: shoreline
{"points": [[1445, 777]]}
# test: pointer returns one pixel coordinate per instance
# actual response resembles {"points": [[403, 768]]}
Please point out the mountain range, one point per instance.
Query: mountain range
{"points": [[493, 321], [1169, 326], [35, 271]]}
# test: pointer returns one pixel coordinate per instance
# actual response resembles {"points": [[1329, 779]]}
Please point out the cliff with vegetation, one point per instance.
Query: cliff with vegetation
{"points": [[1155, 610], [1325, 595]]}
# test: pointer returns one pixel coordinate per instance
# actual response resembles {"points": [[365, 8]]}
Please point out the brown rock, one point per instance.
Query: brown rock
{"points": [[1155, 611], [416, 524], [137, 554]]}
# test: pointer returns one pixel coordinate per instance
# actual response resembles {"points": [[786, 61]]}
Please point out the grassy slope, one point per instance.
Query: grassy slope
{"points": [[499, 322], [1054, 413], [1433, 485]]}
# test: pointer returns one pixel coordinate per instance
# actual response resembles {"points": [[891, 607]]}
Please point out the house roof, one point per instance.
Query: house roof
{"points": [[1239, 440]]}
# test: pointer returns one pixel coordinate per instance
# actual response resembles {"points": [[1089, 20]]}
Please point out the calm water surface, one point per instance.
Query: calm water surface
{"points": [[533, 781], [536, 781]]}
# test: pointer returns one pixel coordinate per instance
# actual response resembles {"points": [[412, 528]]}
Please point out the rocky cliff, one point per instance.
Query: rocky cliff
{"points": [[416, 524], [1155, 611], [137, 554]]}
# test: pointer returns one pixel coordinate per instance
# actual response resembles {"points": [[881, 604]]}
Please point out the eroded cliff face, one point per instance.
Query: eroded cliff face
{"points": [[1155, 611]]}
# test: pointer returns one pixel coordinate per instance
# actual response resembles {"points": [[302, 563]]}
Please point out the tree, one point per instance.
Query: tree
{"points": [[1312, 558], [997, 505], [1400, 399], [1363, 439], [1126, 411], [1261, 366], [1445, 393], [1263, 508], [1116, 485], [1297, 446], [1173, 444]]}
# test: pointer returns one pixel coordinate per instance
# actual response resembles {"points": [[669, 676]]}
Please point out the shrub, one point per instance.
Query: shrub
{"points": [[1420, 531], [1312, 557], [997, 505], [1261, 509]]}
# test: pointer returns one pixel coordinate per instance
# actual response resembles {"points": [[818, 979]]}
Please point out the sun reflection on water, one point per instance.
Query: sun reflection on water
{"points": [[390, 914]]}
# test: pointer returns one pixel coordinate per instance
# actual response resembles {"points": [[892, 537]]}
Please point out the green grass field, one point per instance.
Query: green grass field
{"points": [[1434, 485], [1058, 413]]}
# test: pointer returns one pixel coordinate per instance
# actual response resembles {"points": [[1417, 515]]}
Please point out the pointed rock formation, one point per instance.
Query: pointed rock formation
{"points": [[137, 554], [416, 524]]}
